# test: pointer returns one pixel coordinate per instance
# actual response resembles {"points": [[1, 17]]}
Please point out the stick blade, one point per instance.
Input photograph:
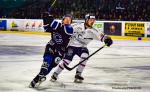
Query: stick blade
{"points": [[68, 68]]}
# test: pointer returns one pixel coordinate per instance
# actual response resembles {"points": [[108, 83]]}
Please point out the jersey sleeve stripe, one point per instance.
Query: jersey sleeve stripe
{"points": [[54, 24], [61, 67], [68, 30]]}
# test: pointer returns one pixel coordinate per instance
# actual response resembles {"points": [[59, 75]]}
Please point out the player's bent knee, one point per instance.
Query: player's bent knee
{"points": [[48, 59], [84, 55]]}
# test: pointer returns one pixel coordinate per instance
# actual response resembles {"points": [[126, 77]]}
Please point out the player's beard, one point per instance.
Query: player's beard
{"points": [[89, 24]]}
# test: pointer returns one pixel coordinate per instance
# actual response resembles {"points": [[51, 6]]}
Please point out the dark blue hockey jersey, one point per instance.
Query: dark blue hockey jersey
{"points": [[60, 33]]}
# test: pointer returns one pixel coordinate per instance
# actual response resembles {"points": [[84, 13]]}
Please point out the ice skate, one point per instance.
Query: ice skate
{"points": [[35, 84], [78, 79], [54, 77]]}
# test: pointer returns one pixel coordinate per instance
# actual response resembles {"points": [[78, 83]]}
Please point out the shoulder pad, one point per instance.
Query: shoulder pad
{"points": [[68, 29], [74, 24], [95, 29], [54, 24]]}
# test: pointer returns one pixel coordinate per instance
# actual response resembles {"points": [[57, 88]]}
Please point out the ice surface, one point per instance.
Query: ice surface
{"points": [[123, 67]]}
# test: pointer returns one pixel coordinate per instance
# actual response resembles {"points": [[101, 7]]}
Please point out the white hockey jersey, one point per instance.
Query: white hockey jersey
{"points": [[81, 36]]}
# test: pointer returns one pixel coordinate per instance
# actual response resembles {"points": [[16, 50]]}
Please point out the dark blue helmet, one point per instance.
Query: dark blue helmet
{"points": [[68, 15]]}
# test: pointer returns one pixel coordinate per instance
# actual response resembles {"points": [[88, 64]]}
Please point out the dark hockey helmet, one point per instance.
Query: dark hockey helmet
{"points": [[68, 15]]}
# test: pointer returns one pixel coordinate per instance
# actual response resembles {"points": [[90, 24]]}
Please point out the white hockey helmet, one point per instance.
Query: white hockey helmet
{"points": [[89, 16]]}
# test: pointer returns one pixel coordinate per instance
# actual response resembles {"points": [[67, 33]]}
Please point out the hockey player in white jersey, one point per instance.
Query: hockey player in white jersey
{"points": [[83, 34]]}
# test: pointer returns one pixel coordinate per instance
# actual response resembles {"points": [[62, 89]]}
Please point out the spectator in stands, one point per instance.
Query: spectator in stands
{"points": [[103, 9]]}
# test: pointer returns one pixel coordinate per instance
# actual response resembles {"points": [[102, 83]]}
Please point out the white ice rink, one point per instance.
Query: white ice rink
{"points": [[123, 67]]}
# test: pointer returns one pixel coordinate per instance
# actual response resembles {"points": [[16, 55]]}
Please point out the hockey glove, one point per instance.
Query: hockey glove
{"points": [[108, 41], [47, 18]]}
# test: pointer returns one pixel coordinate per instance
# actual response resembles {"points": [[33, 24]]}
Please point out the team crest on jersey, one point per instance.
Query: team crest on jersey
{"points": [[58, 38], [78, 28]]}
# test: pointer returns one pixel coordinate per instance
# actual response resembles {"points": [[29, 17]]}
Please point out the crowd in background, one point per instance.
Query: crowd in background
{"points": [[125, 10]]}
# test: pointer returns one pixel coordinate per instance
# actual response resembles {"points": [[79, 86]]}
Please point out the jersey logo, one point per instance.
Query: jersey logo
{"points": [[58, 38], [68, 29]]}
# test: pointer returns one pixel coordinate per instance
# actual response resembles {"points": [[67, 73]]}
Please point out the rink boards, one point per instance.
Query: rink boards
{"points": [[45, 33], [126, 30]]}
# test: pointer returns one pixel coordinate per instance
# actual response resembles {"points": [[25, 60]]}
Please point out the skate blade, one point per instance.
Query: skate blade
{"points": [[30, 86], [43, 79], [37, 84], [52, 80], [78, 81]]}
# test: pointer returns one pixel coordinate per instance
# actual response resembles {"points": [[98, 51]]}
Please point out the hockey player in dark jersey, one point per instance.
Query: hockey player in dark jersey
{"points": [[55, 48]]}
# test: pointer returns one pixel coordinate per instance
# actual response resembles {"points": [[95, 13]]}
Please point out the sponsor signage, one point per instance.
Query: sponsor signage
{"points": [[134, 29], [112, 28]]}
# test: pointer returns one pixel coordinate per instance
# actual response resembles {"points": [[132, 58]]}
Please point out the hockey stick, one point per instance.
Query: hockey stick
{"points": [[71, 68], [52, 6], [53, 3]]}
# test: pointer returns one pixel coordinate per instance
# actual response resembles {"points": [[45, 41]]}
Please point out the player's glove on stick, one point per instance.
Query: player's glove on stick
{"points": [[108, 41]]}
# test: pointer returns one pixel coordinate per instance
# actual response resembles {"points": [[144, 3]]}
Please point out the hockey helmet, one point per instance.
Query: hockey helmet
{"points": [[89, 16], [67, 15]]}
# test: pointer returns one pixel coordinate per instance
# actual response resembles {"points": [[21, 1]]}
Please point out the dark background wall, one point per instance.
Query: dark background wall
{"points": [[103, 9]]}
